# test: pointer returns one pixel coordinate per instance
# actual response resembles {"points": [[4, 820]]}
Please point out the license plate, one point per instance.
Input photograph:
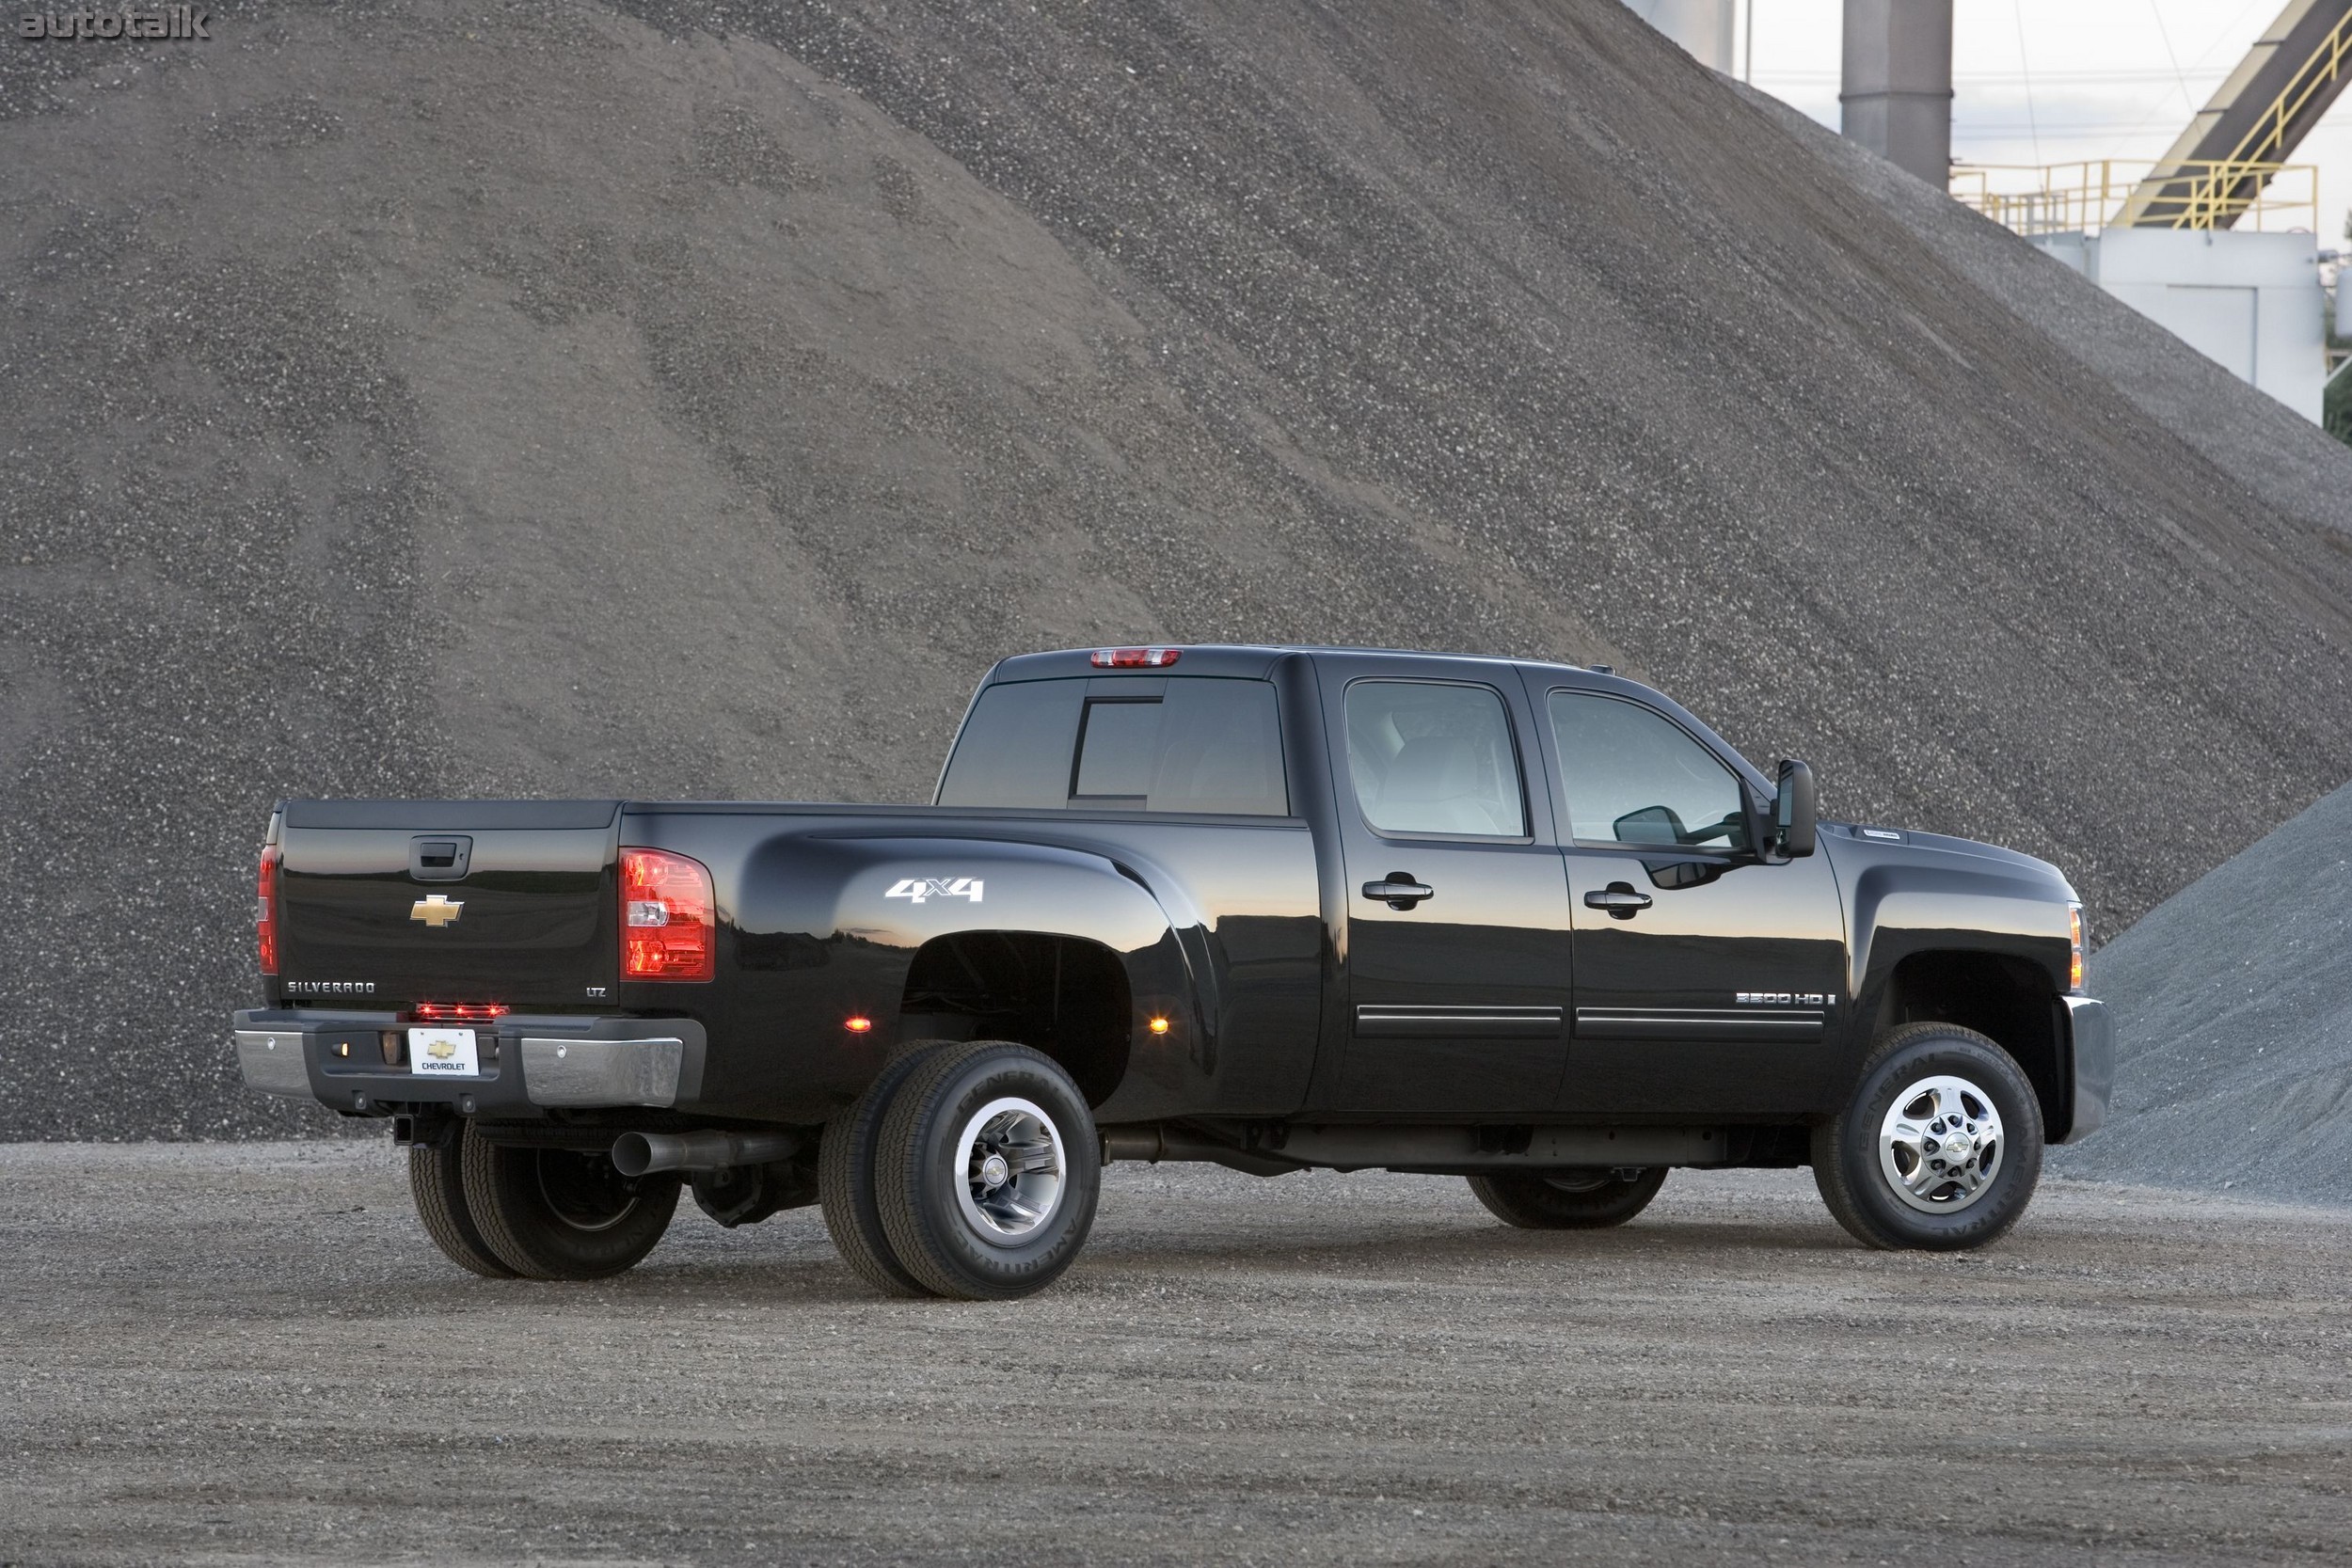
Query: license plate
{"points": [[442, 1054]]}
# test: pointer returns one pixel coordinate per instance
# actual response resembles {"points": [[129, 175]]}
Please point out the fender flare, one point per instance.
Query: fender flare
{"points": [[885, 895]]}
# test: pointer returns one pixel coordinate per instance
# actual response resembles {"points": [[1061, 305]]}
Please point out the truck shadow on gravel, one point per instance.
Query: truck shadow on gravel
{"points": [[1407, 1252]]}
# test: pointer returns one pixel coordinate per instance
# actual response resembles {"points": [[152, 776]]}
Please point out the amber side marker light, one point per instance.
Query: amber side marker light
{"points": [[858, 1025], [1159, 1026], [2074, 970]]}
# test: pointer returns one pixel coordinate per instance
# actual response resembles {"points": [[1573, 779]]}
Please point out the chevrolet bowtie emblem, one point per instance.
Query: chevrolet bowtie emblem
{"points": [[436, 911]]}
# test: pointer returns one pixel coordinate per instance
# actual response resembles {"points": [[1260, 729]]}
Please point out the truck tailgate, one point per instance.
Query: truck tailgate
{"points": [[398, 902]]}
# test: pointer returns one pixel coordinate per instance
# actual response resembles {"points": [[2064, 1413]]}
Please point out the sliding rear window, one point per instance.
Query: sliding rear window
{"points": [[1176, 743]]}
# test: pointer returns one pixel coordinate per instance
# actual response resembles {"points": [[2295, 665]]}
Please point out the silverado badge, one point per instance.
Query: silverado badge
{"points": [[438, 910]]}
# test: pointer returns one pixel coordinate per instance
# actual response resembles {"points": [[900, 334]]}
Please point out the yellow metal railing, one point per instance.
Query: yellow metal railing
{"points": [[2085, 198], [2187, 193], [2329, 61]]}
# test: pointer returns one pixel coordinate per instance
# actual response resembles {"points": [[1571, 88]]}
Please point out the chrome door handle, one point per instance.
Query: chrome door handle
{"points": [[1399, 891], [1619, 899]]}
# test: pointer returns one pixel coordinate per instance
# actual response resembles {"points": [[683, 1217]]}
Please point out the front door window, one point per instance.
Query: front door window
{"points": [[1633, 776]]}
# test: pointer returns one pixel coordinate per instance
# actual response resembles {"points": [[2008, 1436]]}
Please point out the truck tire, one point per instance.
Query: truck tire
{"points": [[845, 1179], [1940, 1148], [437, 1180], [562, 1213], [990, 1168], [1567, 1200]]}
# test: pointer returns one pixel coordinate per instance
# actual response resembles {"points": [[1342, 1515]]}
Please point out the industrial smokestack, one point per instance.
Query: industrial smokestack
{"points": [[1898, 83]]}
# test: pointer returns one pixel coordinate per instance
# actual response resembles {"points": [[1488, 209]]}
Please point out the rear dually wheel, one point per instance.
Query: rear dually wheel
{"points": [[989, 1166], [564, 1213]]}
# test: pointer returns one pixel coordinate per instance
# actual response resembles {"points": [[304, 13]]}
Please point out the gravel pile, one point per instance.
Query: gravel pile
{"points": [[555, 398], [2234, 1002], [2286, 463]]}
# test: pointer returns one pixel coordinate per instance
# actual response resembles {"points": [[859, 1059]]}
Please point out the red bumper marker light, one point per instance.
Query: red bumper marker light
{"points": [[1159, 1026], [460, 1013], [1134, 659], [858, 1025], [669, 920]]}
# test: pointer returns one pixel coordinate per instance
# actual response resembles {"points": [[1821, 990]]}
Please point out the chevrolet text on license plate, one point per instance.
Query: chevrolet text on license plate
{"points": [[442, 1054]]}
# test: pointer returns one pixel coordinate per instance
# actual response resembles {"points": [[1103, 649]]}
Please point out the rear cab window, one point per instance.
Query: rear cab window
{"points": [[1176, 743]]}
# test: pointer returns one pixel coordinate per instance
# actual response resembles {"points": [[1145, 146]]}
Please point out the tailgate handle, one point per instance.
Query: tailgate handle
{"points": [[441, 858]]}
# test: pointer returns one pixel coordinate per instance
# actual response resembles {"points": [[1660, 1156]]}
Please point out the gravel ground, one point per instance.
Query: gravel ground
{"points": [[2234, 999], [250, 1355], [546, 397]]}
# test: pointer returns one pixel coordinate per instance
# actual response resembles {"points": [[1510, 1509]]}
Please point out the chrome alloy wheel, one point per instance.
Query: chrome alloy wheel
{"points": [[1941, 1145], [1010, 1158]]}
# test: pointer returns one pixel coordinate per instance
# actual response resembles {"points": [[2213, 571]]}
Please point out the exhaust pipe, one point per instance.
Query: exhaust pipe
{"points": [[638, 1153], [1155, 1143]]}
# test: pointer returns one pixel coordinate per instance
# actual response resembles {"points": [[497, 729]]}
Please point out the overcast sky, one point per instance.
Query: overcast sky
{"points": [[2055, 81]]}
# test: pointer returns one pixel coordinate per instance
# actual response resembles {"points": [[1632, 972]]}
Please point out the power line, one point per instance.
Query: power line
{"points": [[2157, 11], [2046, 78], [2025, 66]]}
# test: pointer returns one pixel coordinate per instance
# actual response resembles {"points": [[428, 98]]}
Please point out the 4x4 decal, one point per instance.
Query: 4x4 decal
{"points": [[922, 888]]}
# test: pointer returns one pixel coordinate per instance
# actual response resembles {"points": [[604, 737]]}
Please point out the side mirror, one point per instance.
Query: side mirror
{"points": [[1794, 811]]}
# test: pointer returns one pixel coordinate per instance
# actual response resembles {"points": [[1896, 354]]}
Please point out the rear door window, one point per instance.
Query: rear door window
{"points": [[1180, 744], [1432, 758]]}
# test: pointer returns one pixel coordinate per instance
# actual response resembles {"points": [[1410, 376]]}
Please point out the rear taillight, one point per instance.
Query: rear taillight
{"points": [[668, 930], [265, 922]]}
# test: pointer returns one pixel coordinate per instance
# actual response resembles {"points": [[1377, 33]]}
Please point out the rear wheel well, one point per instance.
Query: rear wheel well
{"points": [[2008, 1000], [1066, 996]]}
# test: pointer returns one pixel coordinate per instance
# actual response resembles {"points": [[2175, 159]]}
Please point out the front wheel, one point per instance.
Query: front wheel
{"points": [[1940, 1147], [563, 1213], [988, 1172], [1567, 1200]]}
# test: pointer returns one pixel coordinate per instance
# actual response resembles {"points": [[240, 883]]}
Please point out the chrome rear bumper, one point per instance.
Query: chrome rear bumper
{"points": [[527, 1062]]}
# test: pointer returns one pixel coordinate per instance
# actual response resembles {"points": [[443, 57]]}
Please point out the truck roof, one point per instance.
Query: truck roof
{"points": [[1232, 660], [1256, 660]]}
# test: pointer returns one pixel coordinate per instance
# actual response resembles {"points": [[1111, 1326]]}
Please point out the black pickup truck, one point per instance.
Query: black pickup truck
{"points": [[1271, 908]]}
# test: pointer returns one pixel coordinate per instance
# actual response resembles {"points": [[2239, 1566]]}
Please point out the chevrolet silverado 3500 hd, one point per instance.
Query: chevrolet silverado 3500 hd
{"points": [[1273, 908]]}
